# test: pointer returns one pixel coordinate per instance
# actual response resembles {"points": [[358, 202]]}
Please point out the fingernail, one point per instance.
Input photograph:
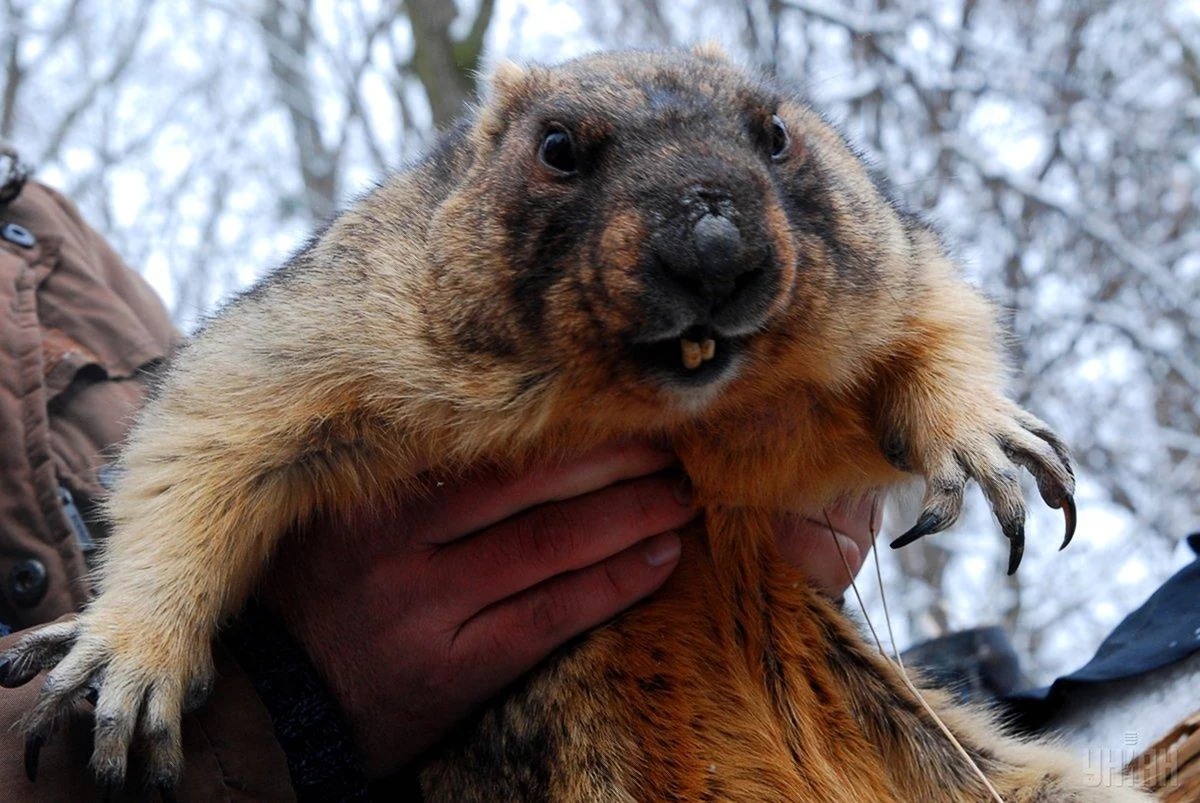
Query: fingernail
{"points": [[661, 549], [683, 491]]}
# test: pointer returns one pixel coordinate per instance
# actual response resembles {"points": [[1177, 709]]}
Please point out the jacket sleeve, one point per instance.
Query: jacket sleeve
{"points": [[229, 744], [79, 334]]}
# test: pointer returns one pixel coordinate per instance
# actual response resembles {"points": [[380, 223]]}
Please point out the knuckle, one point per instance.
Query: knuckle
{"points": [[611, 582], [30, 646], [949, 514], [997, 474], [1061, 474], [645, 499], [1009, 442], [1041, 456], [1003, 490], [56, 686], [546, 611], [106, 721], [1009, 481]]}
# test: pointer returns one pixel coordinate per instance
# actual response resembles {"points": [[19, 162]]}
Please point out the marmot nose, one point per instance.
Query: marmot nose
{"points": [[716, 271], [718, 247]]}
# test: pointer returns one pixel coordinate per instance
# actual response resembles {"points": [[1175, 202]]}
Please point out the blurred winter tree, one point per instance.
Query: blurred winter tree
{"points": [[1056, 143]]}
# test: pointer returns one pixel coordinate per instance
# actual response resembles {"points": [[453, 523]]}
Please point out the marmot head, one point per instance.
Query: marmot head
{"points": [[648, 224]]}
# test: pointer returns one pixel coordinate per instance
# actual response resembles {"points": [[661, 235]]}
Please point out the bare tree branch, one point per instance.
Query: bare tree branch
{"points": [[13, 71], [84, 100], [287, 48], [445, 67]]}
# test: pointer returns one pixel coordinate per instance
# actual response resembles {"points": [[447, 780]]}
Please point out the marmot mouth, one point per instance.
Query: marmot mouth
{"points": [[694, 358]]}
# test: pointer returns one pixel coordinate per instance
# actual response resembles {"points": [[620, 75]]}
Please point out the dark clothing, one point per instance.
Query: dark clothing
{"points": [[1163, 631], [323, 762]]}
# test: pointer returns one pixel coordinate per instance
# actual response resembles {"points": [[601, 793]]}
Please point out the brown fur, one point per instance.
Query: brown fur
{"points": [[480, 306]]}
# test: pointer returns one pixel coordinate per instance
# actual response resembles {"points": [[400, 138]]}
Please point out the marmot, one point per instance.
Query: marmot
{"points": [[627, 245]]}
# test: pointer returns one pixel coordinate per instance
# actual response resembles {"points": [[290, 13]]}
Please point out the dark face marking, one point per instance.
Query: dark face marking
{"points": [[809, 203], [543, 240]]}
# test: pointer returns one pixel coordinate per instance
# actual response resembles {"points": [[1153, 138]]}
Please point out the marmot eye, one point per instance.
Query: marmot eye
{"points": [[779, 139], [557, 152]]}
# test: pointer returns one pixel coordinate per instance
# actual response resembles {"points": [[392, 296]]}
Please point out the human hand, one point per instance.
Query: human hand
{"points": [[421, 613], [425, 612], [804, 541]]}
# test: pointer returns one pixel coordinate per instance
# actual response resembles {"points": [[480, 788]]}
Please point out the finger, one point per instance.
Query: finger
{"points": [[818, 552], [198, 692], [1051, 468], [1042, 430], [461, 507], [559, 537], [55, 701], [513, 636], [71, 677], [857, 518]]}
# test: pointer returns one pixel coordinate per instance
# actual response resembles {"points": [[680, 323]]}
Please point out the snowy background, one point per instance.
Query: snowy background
{"points": [[1056, 143]]}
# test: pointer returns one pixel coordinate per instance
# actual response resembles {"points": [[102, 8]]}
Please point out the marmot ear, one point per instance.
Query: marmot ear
{"points": [[508, 78], [509, 88], [710, 51]]}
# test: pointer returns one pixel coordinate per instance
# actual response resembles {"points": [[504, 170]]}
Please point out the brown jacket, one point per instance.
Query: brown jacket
{"points": [[78, 328], [79, 334]]}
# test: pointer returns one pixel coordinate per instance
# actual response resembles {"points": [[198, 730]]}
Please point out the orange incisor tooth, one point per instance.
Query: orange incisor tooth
{"points": [[708, 349], [693, 354]]}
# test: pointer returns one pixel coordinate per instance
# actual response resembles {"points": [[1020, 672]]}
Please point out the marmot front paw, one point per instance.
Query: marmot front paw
{"points": [[140, 688], [988, 445]]}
